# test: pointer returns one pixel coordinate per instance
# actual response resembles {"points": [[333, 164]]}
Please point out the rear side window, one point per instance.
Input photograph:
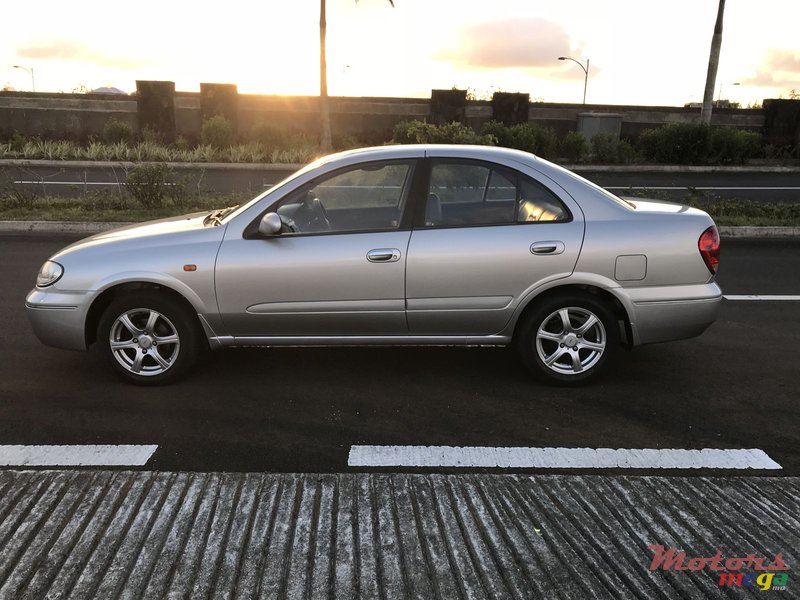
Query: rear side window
{"points": [[466, 193]]}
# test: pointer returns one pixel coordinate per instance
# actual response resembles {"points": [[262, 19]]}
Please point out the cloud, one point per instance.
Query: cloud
{"points": [[65, 49], [511, 43], [781, 68]]}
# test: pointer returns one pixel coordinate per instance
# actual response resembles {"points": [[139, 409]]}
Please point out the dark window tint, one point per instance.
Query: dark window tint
{"points": [[537, 203], [463, 193], [369, 197]]}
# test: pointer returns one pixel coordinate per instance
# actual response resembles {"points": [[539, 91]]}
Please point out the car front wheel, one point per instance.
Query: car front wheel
{"points": [[149, 338], [568, 338]]}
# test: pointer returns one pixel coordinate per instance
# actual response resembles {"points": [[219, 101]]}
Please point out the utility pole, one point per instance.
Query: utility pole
{"points": [[325, 114], [713, 63]]}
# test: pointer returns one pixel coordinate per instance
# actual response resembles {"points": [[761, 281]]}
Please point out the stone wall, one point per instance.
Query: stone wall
{"points": [[371, 120]]}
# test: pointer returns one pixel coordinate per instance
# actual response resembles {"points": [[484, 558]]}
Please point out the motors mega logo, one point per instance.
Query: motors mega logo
{"points": [[761, 573]]}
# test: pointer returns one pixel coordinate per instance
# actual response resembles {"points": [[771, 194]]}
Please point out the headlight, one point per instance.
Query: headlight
{"points": [[49, 274]]}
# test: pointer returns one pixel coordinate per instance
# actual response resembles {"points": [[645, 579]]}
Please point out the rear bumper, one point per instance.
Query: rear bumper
{"points": [[661, 315], [59, 318]]}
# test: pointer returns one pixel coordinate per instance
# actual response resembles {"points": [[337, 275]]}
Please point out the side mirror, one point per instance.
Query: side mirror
{"points": [[270, 224]]}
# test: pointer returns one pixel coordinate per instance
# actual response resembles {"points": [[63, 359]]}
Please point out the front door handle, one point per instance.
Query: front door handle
{"points": [[383, 255], [550, 247]]}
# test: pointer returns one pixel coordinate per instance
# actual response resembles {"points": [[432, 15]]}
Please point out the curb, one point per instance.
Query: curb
{"points": [[681, 169], [90, 227], [102, 164], [87, 227], [759, 232]]}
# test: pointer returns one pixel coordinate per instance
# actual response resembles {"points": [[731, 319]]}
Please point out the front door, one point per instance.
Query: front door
{"points": [[337, 269]]}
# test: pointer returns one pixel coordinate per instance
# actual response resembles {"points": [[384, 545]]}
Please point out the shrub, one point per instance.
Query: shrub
{"points": [[346, 142], [413, 132], [686, 143], [152, 136], [117, 131], [419, 132], [608, 149], [181, 144], [533, 138], [16, 196], [17, 142], [574, 146], [499, 132], [604, 148], [677, 143], [626, 153], [268, 135], [529, 137], [217, 132], [148, 184], [731, 145]]}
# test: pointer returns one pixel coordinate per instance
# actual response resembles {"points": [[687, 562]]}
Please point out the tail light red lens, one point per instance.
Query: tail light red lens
{"points": [[709, 248]]}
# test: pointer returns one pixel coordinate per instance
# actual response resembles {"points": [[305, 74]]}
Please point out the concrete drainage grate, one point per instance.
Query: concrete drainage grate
{"points": [[104, 534]]}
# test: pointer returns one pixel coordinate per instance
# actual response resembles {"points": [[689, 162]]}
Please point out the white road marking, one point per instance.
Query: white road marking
{"points": [[760, 297], [76, 455], [558, 458], [78, 183], [700, 187], [67, 183]]}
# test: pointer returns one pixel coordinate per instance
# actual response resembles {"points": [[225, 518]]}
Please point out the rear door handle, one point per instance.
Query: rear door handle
{"points": [[549, 247], [383, 255]]}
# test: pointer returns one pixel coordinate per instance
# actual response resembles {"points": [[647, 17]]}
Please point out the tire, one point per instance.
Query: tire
{"points": [[571, 354], [149, 352]]}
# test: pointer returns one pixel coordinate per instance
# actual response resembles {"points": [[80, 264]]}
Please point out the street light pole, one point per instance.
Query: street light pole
{"points": [[719, 92], [30, 72], [585, 72]]}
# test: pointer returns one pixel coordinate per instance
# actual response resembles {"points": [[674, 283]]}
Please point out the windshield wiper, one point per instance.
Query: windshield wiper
{"points": [[216, 216]]}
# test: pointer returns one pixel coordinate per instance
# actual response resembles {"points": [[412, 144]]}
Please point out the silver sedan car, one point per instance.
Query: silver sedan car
{"points": [[398, 245]]}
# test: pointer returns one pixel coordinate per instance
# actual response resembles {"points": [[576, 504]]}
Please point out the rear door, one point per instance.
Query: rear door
{"points": [[488, 235]]}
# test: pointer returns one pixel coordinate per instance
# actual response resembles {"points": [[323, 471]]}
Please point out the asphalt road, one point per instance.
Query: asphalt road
{"points": [[301, 409], [76, 180]]}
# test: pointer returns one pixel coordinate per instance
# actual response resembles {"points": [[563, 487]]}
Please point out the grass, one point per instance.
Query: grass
{"points": [[252, 152], [108, 207], [119, 206], [733, 212]]}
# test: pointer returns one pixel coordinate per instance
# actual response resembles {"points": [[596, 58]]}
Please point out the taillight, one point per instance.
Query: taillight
{"points": [[709, 248]]}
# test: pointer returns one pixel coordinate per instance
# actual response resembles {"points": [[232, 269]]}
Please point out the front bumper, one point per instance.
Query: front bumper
{"points": [[58, 317], [674, 313]]}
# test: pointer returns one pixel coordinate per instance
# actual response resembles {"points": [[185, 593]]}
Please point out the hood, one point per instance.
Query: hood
{"points": [[148, 229]]}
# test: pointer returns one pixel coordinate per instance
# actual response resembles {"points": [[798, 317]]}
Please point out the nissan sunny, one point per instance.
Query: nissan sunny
{"points": [[398, 245]]}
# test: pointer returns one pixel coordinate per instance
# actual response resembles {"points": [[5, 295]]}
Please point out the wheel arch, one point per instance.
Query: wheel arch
{"points": [[104, 299], [613, 299]]}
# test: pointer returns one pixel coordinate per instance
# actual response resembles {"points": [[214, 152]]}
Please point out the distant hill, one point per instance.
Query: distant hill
{"points": [[108, 90]]}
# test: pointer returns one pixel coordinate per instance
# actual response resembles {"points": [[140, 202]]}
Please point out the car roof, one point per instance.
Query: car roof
{"points": [[432, 150]]}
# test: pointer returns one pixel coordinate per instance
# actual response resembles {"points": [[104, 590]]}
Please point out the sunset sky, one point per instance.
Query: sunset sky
{"points": [[641, 52]]}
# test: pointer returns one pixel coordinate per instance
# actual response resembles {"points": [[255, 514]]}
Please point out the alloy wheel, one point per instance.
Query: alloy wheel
{"points": [[571, 340], [144, 342]]}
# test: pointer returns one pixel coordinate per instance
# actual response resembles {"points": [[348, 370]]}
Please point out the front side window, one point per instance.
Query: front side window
{"points": [[364, 198], [463, 193]]}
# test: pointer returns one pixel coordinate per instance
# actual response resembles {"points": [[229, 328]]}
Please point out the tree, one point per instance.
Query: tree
{"points": [[324, 103], [713, 63]]}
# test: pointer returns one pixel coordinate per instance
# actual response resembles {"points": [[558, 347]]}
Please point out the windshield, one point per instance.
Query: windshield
{"points": [[233, 214]]}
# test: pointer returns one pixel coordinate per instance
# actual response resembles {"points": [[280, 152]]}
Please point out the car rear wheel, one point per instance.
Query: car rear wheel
{"points": [[568, 338], [149, 338]]}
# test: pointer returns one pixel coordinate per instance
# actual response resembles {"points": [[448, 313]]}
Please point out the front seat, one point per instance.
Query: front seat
{"points": [[433, 211]]}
